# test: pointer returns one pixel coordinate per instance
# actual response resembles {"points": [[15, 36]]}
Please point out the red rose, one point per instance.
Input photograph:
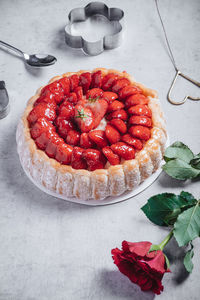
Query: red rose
{"points": [[143, 268]]}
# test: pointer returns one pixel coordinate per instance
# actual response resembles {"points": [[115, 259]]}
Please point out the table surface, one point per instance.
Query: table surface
{"points": [[54, 249]]}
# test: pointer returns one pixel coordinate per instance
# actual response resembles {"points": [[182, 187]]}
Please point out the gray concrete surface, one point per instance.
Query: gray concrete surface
{"points": [[55, 250]]}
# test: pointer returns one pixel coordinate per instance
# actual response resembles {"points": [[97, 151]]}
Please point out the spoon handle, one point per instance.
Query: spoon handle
{"points": [[11, 47]]}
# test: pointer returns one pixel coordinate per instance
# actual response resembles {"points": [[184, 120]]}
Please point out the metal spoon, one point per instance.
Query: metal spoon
{"points": [[34, 60]]}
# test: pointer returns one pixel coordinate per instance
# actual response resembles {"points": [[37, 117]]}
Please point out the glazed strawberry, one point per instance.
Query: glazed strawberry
{"points": [[136, 143], [85, 141], [72, 98], [84, 118], [117, 114], [140, 132], [66, 110], [140, 120], [43, 139], [99, 138], [55, 89], [51, 147], [77, 159], [64, 153], [73, 137], [65, 84], [112, 134], [96, 79], [85, 81], [40, 126], [120, 84], [108, 81], [140, 110], [94, 158], [115, 105], [111, 156], [99, 108], [135, 100], [79, 92], [74, 82], [109, 96], [94, 93], [63, 126], [128, 91], [47, 98], [123, 150], [119, 125], [41, 110]]}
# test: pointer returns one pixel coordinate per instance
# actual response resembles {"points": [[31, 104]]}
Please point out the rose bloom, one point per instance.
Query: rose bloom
{"points": [[143, 268]]}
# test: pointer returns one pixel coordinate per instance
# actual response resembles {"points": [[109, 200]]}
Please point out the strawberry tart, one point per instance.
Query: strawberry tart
{"points": [[91, 134]]}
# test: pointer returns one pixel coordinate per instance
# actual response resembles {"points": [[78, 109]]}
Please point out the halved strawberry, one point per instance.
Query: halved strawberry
{"points": [[136, 99], [119, 125], [140, 120], [55, 89], [40, 126], [110, 96], [123, 150], [73, 137], [140, 110], [47, 98], [41, 110], [74, 82], [99, 138], [85, 81], [136, 143], [84, 118], [65, 84], [117, 114], [72, 98], [98, 108], [66, 110], [128, 91], [108, 81], [42, 140], [96, 79], [51, 147], [112, 134], [94, 93], [115, 105], [85, 141], [120, 84], [79, 92], [140, 132], [94, 158], [77, 161], [111, 156], [63, 126], [64, 153]]}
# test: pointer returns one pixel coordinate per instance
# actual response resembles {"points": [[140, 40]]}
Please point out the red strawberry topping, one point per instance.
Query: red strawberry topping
{"points": [[94, 158], [42, 140], [63, 126], [123, 150], [72, 97], [115, 105], [66, 110], [85, 141], [77, 159], [118, 114], [94, 93], [140, 132], [51, 147], [65, 84], [111, 156], [110, 96], [140, 120], [40, 126], [128, 91], [79, 92], [41, 110], [73, 137], [99, 138], [119, 84], [64, 153], [84, 118], [127, 138], [74, 81], [112, 134], [85, 81], [96, 79], [136, 99], [119, 125], [108, 81], [140, 110]]}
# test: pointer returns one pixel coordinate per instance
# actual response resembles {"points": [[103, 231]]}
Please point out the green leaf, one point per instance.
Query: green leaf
{"points": [[195, 162], [167, 261], [180, 169], [163, 209], [189, 198], [178, 150], [187, 225], [188, 259]]}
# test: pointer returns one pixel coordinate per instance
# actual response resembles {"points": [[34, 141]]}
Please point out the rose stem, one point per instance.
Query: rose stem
{"points": [[166, 240]]}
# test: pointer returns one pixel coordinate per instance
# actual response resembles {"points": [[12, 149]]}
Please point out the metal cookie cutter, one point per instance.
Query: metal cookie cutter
{"points": [[4, 101], [95, 9]]}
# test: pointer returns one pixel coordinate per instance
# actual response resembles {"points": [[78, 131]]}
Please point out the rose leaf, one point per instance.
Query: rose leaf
{"points": [[195, 162], [178, 150], [188, 259]]}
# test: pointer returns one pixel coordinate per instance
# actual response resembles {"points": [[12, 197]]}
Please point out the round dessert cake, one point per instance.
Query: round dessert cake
{"points": [[92, 134]]}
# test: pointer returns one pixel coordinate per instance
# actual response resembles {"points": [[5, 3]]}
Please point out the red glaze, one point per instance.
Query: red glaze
{"points": [[119, 125], [65, 84], [140, 132], [84, 118], [73, 137], [72, 98], [43, 139], [55, 89], [66, 110], [110, 96], [115, 105], [111, 156], [140, 120], [94, 158], [140, 110], [108, 81], [120, 84], [118, 114], [135, 100], [40, 126], [77, 159], [112, 134], [128, 91], [51, 147], [63, 126], [85, 81], [79, 92], [48, 98], [64, 153], [74, 82], [123, 150], [99, 138], [136, 143], [94, 93], [85, 141], [96, 79], [39, 111]]}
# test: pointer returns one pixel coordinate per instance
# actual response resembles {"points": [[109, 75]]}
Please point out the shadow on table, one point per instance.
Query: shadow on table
{"points": [[17, 183], [166, 181], [119, 285]]}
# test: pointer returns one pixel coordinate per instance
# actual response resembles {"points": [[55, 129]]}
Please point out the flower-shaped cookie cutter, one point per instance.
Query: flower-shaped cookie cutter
{"points": [[110, 41]]}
